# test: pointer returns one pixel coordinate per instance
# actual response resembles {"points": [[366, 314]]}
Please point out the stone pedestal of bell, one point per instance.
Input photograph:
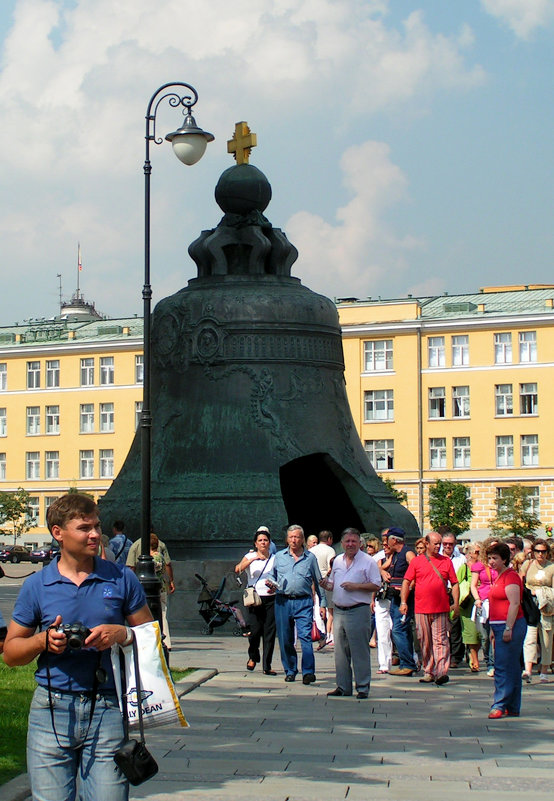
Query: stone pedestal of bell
{"points": [[251, 423]]}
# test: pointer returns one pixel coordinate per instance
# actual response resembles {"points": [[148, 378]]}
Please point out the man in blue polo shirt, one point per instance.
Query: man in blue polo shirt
{"points": [[75, 725], [295, 572]]}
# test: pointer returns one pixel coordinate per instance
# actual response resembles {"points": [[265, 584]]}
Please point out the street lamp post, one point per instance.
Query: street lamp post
{"points": [[189, 144]]}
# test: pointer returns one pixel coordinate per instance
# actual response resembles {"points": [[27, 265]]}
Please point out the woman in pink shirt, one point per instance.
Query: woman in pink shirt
{"points": [[482, 578]]}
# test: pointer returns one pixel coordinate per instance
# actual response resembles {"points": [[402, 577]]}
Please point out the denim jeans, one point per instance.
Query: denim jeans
{"points": [[507, 666], [289, 611], [402, 635], [84, 762]]}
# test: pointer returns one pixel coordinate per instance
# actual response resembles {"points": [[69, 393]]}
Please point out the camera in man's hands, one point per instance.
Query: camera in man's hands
{"points": [[76, 634]]}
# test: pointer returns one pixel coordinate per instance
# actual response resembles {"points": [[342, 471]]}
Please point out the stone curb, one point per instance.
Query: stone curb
{"points": [[19, 789]]}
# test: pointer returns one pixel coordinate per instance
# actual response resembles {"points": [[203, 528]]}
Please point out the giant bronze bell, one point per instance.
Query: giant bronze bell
{"points": [[250, 420]]}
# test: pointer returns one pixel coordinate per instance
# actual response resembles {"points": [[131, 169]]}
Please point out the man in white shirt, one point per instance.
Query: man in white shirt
{"points": [[457, 647], [354, 579], [324, 554]]}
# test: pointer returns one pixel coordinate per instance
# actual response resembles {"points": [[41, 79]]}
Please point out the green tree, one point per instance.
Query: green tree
{"points": [[450, 505], [514, 515], [397, 494], [15, 510]]}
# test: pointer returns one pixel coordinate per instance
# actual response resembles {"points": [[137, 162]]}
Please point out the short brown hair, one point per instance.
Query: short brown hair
{"points": [[68, 507]]}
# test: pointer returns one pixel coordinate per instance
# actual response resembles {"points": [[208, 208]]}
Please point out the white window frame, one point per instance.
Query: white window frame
{"points": [[3, 422], [527, 346], [139, 369], [87, 371], [86, 464], [461, 452], [528, 399], [32, 421], [460, 402], [86, 418], [503, 400], [3, 376], [460, 350], [437, 453], [378, 355], [52, 373], [436, 352], [106, 463], [380, 453], [33, 375], [52, 419], [437, 403], [32, 465], [505, 451], [3, 466], [107, 418], [51, 465], [378, 405], [34, 506], [138, 413], [107, 370], [529, 450], [503, 348]]}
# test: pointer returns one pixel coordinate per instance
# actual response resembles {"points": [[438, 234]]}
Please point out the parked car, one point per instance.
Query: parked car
{"points": [[14, 553], [44, 554]]}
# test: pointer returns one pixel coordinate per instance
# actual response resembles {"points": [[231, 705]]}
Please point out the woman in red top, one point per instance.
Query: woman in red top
{"points": [[509, 627]]}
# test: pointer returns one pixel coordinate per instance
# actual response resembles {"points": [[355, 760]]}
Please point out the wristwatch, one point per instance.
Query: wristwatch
{"points": [[507, 628]]}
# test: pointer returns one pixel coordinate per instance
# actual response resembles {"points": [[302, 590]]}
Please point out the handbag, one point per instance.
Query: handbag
{"points": [[466, 598], [133, 758], [250, 597], [531, 611], [316, 633]]}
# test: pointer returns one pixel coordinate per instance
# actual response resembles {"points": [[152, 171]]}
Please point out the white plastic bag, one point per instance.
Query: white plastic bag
{"points": [[160, 704]]}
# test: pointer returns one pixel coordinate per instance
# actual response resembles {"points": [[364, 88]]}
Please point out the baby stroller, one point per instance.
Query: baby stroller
{"points": [[216, 612]]}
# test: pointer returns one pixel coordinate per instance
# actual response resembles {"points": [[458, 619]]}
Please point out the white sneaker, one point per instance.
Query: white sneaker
{"points": [[490, 672], [543, 678]]}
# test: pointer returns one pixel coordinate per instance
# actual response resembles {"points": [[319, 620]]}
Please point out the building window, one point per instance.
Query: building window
{"points": [[106, 418], [3, 376], [139, 369], [106, 463], [52, 464], [138, 412], [379, 405], [53, 373], [2, 466], [380, 453], [462, 452], [378, 355], [460, 350], [52, 419], [503, 348], [33, 420], [87, 372], [86, 464], [504, 399], [528, 346], [533, 499], [529, 450], [528, 399], [48, 501], [437, 402], [106, 370], [3, 422], [33, 375], [86, 425], [437, 452], [32, 464], [460, 401], [34, 506], [505, 451], [435, 351]]}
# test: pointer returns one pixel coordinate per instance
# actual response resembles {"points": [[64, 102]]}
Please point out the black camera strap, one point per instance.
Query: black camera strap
{"points": [[92, 695], [138, 689]]}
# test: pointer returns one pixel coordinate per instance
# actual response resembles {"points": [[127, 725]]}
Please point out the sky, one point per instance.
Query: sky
{"points": [[408, 144]]}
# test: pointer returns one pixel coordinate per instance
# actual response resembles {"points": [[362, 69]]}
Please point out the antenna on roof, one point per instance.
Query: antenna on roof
{"points": [[59, 275]]}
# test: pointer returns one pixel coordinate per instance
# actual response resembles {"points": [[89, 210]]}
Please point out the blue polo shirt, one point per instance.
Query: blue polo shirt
{"points": [[108, 595], [295, 577]]}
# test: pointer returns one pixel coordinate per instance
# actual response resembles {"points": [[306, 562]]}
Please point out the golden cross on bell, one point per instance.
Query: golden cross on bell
{"points": [[242, 143]]}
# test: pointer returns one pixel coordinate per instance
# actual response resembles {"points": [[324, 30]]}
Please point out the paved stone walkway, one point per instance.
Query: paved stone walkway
{"points": [[256, 736]]}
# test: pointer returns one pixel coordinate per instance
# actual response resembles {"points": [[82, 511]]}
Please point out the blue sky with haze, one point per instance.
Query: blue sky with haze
{"points": [[408, 144]]}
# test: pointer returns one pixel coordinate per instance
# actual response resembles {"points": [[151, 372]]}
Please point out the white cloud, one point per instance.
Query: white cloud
{"points": [[353, 255], [522, 16]]}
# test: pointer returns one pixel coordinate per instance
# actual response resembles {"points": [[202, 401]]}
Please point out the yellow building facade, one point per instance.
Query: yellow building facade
{"points": [[456, 387], [70, 397]]}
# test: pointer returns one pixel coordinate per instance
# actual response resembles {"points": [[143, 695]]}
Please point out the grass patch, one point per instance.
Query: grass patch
{"points": [[16, 690], [180, 674]]}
